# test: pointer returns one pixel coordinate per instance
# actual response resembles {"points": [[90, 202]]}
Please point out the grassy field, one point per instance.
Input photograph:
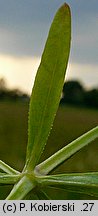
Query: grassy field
{"points": [[70, 122]]}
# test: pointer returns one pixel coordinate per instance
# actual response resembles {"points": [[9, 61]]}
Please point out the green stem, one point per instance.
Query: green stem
{"points": [[6, 168], [66, 152], [21, 189]]}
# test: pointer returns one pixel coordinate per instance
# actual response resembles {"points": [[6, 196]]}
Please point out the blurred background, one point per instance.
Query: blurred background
{"points": [[24, 27]]}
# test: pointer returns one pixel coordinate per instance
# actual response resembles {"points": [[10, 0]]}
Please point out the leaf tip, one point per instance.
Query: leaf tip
{"points": [[65, 8], [66, 5]]}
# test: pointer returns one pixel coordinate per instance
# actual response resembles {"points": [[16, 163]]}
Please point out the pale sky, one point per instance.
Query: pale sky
{"points": [[24, 27]]}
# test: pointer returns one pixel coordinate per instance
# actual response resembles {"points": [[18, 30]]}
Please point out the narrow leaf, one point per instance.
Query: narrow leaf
{"points": [[66, 152], [86, 183], [48, 85], [8, 179], [6, 168]]}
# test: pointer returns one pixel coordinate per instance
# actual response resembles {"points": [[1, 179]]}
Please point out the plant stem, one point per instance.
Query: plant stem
{"points": [[21, 189], [66, 152], [6, 168]]}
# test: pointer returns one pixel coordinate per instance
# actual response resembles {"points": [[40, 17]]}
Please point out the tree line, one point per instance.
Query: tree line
{"points": [[74, 93]]}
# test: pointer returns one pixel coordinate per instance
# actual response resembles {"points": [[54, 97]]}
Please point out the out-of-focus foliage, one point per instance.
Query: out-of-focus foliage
{"points": [[74, 93]]}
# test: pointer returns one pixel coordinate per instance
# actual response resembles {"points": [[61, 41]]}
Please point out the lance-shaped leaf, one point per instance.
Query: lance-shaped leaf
{"points": [[48, 85], [6, 168], [86, 183]]}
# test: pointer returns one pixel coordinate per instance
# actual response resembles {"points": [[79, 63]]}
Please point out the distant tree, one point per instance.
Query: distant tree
{"points": [[91, 98], [2, 88], [73, 93], [2, 84]]}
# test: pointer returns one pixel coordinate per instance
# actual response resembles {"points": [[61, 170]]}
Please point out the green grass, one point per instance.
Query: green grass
{"points": [[70, 122]]}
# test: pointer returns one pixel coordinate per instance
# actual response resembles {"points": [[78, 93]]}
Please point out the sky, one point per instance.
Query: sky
{"points": [[24, 26]]}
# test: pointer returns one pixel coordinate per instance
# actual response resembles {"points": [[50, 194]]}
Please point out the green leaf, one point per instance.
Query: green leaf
{"points": [[8, 179], [86, 183], [48, 85], [6, 168], [63, 154]]}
